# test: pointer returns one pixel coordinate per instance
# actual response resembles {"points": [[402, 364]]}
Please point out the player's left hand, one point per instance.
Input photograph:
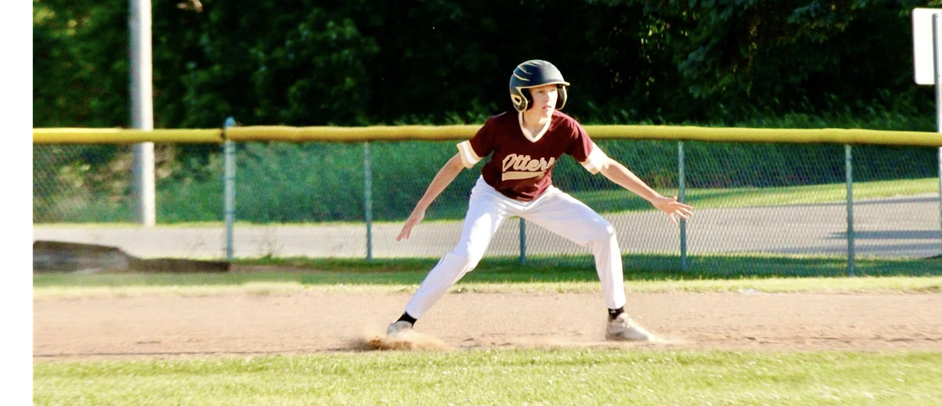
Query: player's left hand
{"points": [[674, 209]]}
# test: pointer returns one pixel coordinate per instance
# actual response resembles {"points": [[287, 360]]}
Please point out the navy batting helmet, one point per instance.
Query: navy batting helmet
{"points": [[535, 73]]}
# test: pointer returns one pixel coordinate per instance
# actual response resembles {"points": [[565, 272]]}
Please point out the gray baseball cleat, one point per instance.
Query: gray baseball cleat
{"points": [[623, 328], [398, 328]]}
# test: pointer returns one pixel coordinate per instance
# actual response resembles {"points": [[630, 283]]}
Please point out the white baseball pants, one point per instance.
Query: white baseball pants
{"points": [[554, 210]]}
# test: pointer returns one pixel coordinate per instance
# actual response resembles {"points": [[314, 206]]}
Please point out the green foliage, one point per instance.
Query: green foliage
{"points": [[362, 62]]}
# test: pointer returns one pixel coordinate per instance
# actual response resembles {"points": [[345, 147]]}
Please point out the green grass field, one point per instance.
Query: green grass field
{"points": [[643, 273], [775, 196], [285, 283], [502, 377]]}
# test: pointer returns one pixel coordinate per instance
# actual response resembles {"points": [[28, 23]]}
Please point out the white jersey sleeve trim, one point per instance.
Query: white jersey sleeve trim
{"points": [[468, 157], [595, 160]]}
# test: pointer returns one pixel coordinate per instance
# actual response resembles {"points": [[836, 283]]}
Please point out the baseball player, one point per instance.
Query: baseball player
{"points": [[524, 146]]}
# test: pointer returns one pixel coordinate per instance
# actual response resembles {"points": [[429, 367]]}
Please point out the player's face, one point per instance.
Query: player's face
{"points": [[544, 99]]}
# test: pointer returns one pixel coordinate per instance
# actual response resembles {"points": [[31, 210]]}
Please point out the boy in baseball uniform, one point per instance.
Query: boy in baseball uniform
{"points": [[524, 146]]}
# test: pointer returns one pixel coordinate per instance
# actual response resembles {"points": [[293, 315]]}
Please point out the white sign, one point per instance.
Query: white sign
{"points": [[922, 44]]}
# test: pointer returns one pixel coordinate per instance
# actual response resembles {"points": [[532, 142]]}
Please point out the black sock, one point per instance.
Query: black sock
{"points": [[613, 313], [406, 317]]}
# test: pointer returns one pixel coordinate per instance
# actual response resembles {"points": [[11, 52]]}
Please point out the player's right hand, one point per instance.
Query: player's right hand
{"points": [[417, 215]]}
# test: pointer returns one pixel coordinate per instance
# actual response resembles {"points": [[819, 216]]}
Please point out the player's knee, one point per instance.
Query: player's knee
{"points": [[604, 232], [468, 254], [454, 266], [473, 259], [464, 260], [465, 263]]}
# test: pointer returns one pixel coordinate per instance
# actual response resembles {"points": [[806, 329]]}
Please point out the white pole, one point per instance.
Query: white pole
{"points": [[142, 112], [937, 62]]}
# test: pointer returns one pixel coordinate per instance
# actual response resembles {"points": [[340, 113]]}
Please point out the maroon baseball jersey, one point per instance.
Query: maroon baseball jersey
{"points": [[522, 163]]}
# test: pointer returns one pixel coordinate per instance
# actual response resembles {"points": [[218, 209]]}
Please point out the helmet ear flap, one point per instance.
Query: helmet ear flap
{"points": [[561, 95], [521, 99]]}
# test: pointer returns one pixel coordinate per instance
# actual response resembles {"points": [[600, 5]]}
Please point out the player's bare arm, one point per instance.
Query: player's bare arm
{"points": [[618, 173], [445, 176]]}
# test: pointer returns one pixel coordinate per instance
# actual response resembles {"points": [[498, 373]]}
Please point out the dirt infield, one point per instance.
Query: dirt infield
{"points": [[318, 322]]}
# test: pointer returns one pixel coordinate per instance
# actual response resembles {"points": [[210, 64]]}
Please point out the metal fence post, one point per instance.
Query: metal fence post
{"points": [[681, 184], [848, 160], [523, 241], [368, 200], [229, 182]]}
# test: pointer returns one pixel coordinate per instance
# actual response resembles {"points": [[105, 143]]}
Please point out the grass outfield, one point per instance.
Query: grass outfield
{"points": [[645, 274], [500, 377], [772, 196], [146, 285]]}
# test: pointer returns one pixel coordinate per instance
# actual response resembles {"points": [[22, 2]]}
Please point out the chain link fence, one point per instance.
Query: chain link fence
{"points": [[310, 199]]}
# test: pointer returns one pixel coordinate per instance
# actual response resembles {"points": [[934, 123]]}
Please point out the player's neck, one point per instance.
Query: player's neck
{"points": [[534, 120]]}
